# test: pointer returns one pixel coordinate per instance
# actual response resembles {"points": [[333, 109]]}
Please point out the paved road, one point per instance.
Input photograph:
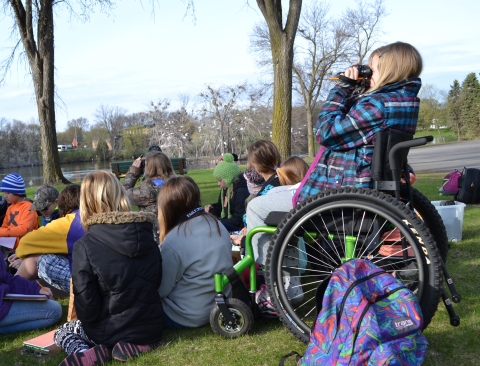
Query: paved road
{"points": [[446, 157]]}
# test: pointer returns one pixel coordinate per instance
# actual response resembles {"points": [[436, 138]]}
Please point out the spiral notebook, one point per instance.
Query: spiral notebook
{"points": [[25, 297], [43, 343]]}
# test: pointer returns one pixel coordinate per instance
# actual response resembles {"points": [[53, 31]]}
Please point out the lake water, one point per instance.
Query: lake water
{"points": [[75, 172]]}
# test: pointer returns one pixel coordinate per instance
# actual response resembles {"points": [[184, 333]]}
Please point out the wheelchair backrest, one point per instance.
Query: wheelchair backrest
{"points": [[384, 142]]}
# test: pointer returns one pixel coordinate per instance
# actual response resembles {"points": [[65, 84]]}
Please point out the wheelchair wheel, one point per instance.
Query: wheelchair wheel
{"points": [[320, 234], [432, 219], [242, 315]]}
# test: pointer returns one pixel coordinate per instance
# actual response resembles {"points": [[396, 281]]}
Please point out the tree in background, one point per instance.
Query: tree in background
{"points": [[432, 110], [362, 25], [470, 106], [34, 24], [172, 131], [112, 119], [323, 46], [454, 104], [218, 105], [35, 27], [282, 37], [19, 143]]}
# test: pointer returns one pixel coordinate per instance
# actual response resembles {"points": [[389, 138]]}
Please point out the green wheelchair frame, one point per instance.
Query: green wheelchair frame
{"points": [[233, 317]]}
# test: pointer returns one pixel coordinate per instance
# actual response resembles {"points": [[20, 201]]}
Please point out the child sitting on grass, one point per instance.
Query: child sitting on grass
{"points": [[47, 252], [194, 246], [116, 272], [18, 220], [45, 201], [19, 316]]}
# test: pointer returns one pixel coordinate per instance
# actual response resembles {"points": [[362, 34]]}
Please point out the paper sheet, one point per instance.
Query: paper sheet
{"points": [[8, 242]]}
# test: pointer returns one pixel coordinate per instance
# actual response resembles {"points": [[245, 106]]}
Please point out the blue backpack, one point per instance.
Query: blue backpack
{"points": [[367, 317]]}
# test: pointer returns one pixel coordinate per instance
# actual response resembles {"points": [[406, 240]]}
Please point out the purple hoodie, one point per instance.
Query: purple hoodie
{"points": [[10, 284]]}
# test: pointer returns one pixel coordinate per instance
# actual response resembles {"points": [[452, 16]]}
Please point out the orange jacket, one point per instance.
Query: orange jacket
{"points": [[19, 220]]}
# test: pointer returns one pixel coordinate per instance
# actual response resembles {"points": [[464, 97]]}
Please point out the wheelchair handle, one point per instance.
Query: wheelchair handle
{"points": [[404, 145]]}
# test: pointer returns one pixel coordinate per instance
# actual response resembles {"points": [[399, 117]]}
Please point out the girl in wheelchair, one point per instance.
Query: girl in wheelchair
{"points": [[356, 110]]}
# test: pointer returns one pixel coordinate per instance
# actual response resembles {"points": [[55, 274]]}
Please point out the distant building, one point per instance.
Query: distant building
{"points": [[64, 147]]}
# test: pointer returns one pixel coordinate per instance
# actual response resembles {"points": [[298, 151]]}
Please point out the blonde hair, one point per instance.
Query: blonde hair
{"points": [[396, 61], [157, 164], [292, 171], [101, 192]]}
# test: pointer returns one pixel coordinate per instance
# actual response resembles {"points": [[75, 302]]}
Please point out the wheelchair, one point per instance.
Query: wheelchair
{"points": [[388, 225]]}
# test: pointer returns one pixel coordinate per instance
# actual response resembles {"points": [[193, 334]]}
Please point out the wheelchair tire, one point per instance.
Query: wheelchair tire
{"points": [[242, 315], [431, 218], [362, 214]]}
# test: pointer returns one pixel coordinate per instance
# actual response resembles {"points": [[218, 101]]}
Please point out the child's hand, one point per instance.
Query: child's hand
{"points": [[236, 239], [15, 262], [46, 291]]}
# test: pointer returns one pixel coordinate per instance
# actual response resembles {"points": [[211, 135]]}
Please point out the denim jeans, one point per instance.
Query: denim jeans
{"points": [[170, 324], [30, 315]]}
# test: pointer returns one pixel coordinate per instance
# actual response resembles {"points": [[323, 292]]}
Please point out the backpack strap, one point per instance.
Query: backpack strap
{"points": [[305, 178], [293, 353]]}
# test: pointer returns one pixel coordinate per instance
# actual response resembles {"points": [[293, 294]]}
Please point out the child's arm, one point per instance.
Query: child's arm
{"points": [[88, 300], [23, 222], [339, 128], [172, 269], [47, 239], [20, 285]]}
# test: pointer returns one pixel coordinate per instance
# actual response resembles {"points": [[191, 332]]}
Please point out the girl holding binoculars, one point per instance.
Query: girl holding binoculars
{"points": [[349, 119]]}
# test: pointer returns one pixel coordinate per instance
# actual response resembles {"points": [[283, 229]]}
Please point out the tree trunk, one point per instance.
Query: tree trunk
{"points": [[282, 98], [41, 63], [281, 43]]}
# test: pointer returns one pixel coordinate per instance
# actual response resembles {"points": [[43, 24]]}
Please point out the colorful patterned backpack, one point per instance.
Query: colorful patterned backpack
{"points": [[368, 317]]}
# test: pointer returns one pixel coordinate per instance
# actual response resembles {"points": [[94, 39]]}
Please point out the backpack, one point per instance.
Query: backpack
{"points": [[368, 317], [469, 186], [450, 183]]}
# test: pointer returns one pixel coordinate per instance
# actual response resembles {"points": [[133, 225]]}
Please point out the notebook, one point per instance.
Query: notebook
{"points": [[8, 242], [43, 343], [25, 297]]}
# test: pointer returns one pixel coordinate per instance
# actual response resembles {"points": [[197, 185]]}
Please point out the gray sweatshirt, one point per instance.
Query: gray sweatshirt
{"points": [[189, 261]]}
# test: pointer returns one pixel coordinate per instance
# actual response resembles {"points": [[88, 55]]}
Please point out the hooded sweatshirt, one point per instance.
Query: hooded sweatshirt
{"points": [[19, 220]]}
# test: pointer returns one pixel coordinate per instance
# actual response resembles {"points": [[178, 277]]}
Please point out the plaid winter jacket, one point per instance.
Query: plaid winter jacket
{"points": [[346, 128]]}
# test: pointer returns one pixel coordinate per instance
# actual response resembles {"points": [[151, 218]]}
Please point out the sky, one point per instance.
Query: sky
{"points": [[128, 58]]}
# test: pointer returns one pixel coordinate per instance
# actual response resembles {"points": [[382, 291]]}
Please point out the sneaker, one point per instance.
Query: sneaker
{"points": [[293, 287], [95, 356], [124, 351], [264, 302]]}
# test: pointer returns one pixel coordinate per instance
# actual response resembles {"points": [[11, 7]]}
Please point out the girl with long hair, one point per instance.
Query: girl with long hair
{"points": [[116, 272], [158, 169], [194, 247], [355, 111]]}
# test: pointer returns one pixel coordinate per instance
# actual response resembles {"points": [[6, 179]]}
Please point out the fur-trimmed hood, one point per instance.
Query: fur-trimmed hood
{"points": [[121, 218], [129, 233]]}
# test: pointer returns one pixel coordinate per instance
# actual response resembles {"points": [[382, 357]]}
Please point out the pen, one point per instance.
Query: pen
{"points": [[44, 289]]}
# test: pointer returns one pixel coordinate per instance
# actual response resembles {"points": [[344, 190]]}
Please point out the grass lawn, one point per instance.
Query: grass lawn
{"points": [[270, 340]]}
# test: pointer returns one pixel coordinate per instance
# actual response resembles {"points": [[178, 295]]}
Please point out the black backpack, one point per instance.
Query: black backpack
{"points": [[469, 186]]}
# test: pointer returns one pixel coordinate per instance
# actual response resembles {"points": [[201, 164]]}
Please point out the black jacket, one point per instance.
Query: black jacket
{"points": [[237, 203], [117, 270]]}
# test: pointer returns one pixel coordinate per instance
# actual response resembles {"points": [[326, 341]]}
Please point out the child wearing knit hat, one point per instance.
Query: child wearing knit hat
{"points": [[230, 207], [18, 220]]}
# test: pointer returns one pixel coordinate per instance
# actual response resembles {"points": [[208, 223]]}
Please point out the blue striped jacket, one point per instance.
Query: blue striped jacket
{"points": [[346, 127]]}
